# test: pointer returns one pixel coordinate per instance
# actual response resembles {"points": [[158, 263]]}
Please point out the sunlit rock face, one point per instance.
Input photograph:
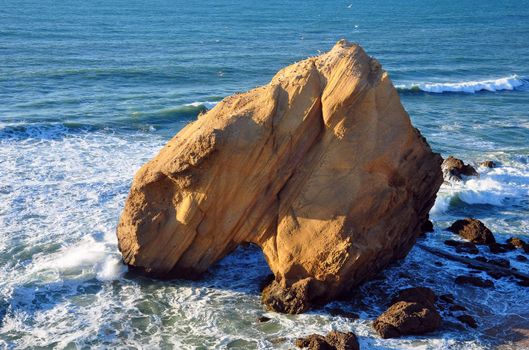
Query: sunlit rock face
{"points": [[321, 168]]}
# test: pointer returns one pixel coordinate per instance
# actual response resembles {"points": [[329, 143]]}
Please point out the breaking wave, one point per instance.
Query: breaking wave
{"points": [[509, 83]]}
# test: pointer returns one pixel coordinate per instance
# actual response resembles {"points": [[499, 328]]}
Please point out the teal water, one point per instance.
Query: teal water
{"points": [[91, 90]]}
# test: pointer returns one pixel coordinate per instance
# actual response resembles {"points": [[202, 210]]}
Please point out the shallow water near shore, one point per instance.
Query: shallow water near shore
{"points": [[89, 91]]}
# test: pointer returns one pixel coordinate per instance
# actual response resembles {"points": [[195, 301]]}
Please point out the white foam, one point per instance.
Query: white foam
{"points": [[207, 104], [500, 186], [505, 83]]}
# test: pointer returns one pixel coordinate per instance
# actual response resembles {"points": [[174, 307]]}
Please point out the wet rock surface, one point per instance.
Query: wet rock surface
{"points": [[473, 230], [413, 312], [454, 168], [293, 300], [488, 164], [332, 341], [407, 318]]}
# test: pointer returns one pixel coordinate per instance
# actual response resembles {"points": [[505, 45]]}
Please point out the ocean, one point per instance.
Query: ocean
{"points": [[90, 90]]}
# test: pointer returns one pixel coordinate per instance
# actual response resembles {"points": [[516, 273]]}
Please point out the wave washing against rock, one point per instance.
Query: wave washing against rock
{"points": [[505, 185], [509, 83]]}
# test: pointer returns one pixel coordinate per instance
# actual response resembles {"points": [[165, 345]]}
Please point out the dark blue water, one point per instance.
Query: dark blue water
{"points": [[91, 90]]}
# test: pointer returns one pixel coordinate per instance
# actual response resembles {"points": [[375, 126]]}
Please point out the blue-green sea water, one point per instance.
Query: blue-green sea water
{"points": [[90, 90]]}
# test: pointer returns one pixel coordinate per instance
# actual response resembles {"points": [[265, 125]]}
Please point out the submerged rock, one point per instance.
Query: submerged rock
{"points": [[473, 230], [333, 341], [468, 320], [421, 295], [454, 169], [321, 168], [342, 313], [407, 318], [474, 281]]}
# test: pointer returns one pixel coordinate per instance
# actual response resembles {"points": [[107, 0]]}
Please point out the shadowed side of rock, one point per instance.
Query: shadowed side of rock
{"points": [[321, 168]]}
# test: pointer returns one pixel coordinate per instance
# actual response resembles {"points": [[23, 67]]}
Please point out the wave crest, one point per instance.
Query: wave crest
{"points": [[509, 83]]}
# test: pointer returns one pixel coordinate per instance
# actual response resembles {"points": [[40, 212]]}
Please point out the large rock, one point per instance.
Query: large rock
{"points": [[321, 168]]}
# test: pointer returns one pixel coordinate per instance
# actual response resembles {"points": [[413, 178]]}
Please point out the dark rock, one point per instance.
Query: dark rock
{"points": [[521, 258], [462, 247], [454, 168], [407, 318], [523, 283], [447, 298], [266, 281], [420, 295], [475, 281], [452, 243], [467, 248], [501, 248], [293, 300], [488, 164], [457, 307], [500, 262], [438, 263], [473, 230], [262, 319], [427, 226], [468, 320], [343, 313], [333, 341], [497, 274]]}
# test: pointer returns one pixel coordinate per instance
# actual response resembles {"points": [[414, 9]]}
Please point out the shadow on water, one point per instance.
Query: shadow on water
{"points": [[242, 271]]}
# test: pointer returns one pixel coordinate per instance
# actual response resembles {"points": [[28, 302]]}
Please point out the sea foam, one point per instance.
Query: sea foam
{"points": [[505, 185], [505, 83]]}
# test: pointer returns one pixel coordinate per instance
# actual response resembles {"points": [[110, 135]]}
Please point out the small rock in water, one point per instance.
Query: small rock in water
{"points": [[457, 307], [262, 319], [333, 341], [454, 168], [293, 300], [467, 248], [496, 248], [500, 262], [475, 281], [447, 298], [473, 230], [521, 258], [407, 318], [468, 320], [427, 226], [343, 313], [517, 242], [497, 274], [278, 340], [488, 164]]}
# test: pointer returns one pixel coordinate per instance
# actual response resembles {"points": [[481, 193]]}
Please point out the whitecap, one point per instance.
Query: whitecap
{"points": [[206, 104], [500, 84], [501, 186]]}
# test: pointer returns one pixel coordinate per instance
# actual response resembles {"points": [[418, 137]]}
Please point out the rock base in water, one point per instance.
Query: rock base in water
{"points": [[321, 168], [332, 341], [413, 312], [473, 230]]}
